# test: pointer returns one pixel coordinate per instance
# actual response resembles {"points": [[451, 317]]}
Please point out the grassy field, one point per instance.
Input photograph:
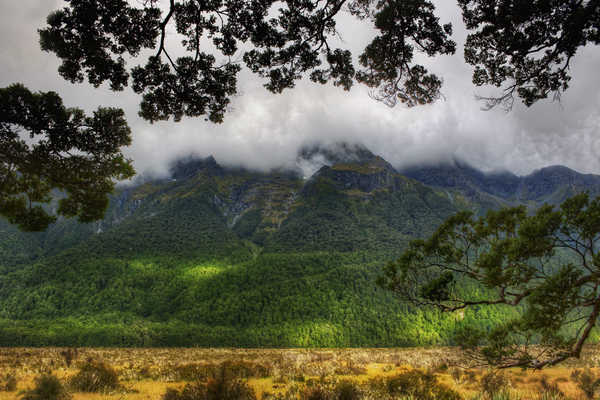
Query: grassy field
{"points": [[286, 374]]}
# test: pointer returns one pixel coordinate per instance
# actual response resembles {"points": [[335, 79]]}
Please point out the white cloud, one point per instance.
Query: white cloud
{"points": [[265, 130]]}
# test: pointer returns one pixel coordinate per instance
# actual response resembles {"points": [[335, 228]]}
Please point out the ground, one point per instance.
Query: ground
{"points": [[147, 373]]}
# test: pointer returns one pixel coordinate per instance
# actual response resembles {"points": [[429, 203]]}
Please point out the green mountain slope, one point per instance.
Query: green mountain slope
{"points": [[218, 256]]}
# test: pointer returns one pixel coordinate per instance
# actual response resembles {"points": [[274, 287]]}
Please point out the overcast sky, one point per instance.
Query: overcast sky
{"points": [[263, 130]]}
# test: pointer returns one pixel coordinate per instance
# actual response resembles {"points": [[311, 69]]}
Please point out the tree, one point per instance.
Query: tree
{"points": [[45, 148], [524, 46], [547, 265]]}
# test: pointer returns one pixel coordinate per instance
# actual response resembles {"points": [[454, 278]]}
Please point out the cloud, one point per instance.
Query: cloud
{"points": [[263, 130]]}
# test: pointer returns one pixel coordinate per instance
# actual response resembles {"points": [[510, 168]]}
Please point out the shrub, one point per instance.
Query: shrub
{"points": [[243, 369], [316, 392], [456, 374], [440, 367], [95, 376], [10, 383], [350, 369], [586, 381], [420, 385], [493, 383], [69, 355], [219, 388], [194, 372], [346, 390], [47, 387], [144, 372], [233, 369], [551, 391], [470, 376]]}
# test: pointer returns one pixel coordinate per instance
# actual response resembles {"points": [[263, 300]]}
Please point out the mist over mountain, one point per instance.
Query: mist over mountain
{"points": [[220, 255]]}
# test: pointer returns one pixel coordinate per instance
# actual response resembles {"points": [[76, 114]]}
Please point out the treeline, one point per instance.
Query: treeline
{"points": [[271, 300]]}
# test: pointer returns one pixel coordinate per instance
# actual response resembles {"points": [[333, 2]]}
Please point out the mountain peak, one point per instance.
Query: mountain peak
{"points": [[312, 158], [189, 166]]}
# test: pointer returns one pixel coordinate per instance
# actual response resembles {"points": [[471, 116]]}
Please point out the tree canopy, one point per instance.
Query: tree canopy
{"points": [[47, 150], [547, 265], [524, 47]]}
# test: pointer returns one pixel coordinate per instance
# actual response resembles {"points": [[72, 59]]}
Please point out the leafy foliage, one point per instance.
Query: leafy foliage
{"points": [[527, 44], [66, 150], [546, 263]]}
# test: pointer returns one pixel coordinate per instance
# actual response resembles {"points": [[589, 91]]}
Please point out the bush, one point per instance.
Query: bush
{"points": [[194, 372], [586, 381], [47, 387], [420, 385], [457, 375], [243, 369], [95, 376], [233, 369], [316, 392], [350, 369], [10, 383], [220, 388], [493, 383], [551, 391], [346, 390], [69, 355]]}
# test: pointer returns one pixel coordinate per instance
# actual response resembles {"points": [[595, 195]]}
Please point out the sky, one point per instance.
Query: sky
{"points": [[263, 130]]}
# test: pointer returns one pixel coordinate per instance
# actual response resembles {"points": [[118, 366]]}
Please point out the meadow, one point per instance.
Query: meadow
{"points": [[283, 374]]}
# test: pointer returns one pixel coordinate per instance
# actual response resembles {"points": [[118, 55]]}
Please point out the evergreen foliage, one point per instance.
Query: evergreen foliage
{"points": [[65, 151], [224, 257], [545, 263], [525, 47]]}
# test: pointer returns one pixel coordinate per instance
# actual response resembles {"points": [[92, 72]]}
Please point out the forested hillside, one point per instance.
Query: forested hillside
{"points": [[221, 256]]}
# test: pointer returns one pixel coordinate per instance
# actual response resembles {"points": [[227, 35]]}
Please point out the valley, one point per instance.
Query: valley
{"points": [[223, 256]]}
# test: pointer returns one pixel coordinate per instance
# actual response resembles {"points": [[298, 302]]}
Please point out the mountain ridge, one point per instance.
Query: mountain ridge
{"points": [[224, 256]]}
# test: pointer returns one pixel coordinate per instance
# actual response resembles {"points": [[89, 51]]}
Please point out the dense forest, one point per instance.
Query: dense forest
{"points": [[226, 257]]}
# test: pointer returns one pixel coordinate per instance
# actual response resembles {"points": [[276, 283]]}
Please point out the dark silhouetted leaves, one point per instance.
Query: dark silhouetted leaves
{"points": [[47, 147]]}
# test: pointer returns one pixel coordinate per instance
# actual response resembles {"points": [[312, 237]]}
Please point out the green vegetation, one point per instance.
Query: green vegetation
{"points": [[273, 300], [222, 257], [546, 264], [294, 42], [68, 153]]}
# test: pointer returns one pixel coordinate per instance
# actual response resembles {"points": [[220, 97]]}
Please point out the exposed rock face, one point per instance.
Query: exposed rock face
{"points": [[366, 176]]}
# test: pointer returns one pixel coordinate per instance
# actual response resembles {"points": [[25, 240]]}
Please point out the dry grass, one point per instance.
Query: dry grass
{"points": [[147, 373]]}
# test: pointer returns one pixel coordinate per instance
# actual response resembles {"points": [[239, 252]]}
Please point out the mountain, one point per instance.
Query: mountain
{"points": [[221, 256], [550, 185]]}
